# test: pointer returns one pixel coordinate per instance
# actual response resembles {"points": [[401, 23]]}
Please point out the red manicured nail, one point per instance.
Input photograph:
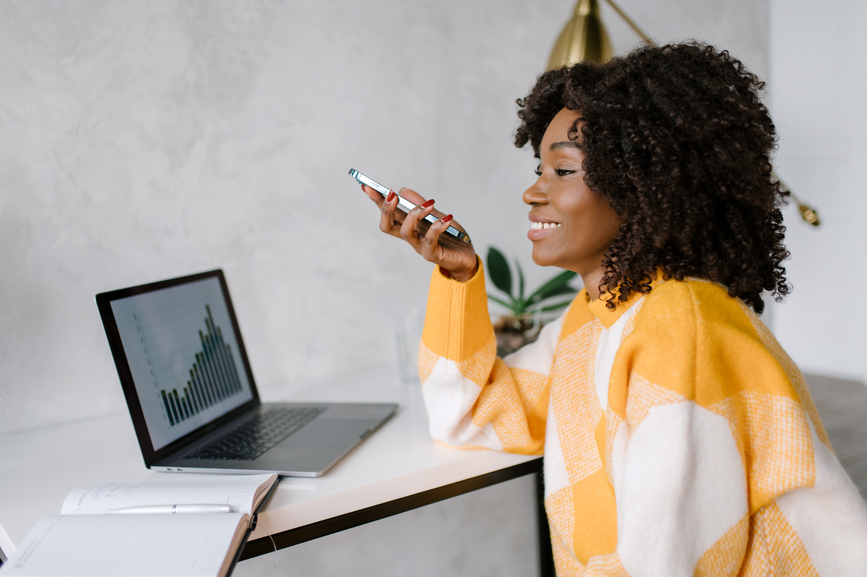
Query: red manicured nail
{"points": [[447, 218], [428, 203], [391, 196], [362, 188]]}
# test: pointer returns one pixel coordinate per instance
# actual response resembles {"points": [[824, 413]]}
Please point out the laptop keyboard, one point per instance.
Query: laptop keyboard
{"points": [[250, 441]]}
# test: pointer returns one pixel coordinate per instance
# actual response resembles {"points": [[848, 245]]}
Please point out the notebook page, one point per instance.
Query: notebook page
{"points": [[126, 545], [238, 491]]}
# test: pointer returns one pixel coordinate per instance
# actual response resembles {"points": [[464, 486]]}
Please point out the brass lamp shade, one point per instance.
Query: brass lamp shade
{"points": [[583, 38]]}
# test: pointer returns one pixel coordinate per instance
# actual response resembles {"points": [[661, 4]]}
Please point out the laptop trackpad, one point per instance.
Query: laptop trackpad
{"points": [[329, 434]]}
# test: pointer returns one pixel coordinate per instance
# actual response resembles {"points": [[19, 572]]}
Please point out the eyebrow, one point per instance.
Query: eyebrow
{"points": [[566, 144]]}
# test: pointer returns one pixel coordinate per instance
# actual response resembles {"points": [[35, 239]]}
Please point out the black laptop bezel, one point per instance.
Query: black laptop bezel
{"points": [[103, 304]]}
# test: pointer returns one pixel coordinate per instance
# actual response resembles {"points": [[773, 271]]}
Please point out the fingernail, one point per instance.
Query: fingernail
{"points": [[428, 204], [391, 196], [362, 188], [447, 218]]}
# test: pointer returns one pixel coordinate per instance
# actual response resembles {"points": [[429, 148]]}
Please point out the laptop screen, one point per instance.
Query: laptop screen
{"points": [[183, 357]]}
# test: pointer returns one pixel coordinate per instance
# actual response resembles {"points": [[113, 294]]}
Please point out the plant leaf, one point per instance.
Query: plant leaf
{"points": [[511, 307], [499, 271], [520, 282], [559, 291], [555, 307], [558, 281]]}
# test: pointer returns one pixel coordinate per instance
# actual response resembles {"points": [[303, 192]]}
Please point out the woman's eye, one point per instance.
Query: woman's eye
{"points": [[538, 170], [563, 172]]}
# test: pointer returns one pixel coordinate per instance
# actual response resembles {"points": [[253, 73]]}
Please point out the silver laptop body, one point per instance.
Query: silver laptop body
{"points": [[191, 394]]}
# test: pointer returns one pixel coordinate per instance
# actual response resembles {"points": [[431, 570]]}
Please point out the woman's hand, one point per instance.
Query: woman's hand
{"points": [[455, 258]]}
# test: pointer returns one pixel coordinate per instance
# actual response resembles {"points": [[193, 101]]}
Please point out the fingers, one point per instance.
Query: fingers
{"points": [[387, 222], [411, 196], [459, 259], [392, 215], [425, 238], [417, 200], [409, 230], [430, 247], [373, 195]]}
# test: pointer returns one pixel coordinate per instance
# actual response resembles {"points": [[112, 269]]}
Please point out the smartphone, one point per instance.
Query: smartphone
{"points": [[403, 203]]}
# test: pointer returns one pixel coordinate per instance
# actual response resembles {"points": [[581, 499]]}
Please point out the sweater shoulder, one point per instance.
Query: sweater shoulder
{"points": [[692, 338], [685, 308]]}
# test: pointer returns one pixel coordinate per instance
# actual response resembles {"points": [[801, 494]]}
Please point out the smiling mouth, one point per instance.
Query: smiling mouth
{"points": [[543, 225]]}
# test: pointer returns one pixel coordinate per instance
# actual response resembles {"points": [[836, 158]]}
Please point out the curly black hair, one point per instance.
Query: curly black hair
{"points": [[677, 140]]}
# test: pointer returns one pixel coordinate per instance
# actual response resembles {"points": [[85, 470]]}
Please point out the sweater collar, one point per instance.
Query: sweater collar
{"points": [[607, 316]]}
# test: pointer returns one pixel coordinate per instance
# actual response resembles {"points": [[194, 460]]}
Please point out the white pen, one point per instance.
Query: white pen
{"points": [[173, 509]]}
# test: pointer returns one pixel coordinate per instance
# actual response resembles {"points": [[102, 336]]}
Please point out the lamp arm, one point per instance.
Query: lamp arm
{"points": [[633, 25]]}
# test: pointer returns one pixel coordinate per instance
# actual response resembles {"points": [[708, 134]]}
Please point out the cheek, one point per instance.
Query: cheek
{"points": [[593, 219], [609, 222]]}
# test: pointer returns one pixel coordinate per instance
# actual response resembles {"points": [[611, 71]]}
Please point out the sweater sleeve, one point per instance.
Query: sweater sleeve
{"points": [[475, 399], [724, 467]]}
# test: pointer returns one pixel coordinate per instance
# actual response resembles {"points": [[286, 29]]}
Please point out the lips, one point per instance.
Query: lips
{"points": [[541, 227]]}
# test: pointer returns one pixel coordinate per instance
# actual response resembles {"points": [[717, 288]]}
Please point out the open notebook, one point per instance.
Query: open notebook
{"points": [[84, 540]]}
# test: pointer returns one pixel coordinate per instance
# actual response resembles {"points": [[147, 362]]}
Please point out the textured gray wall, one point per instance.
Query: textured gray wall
{"points": [[143, 140]]}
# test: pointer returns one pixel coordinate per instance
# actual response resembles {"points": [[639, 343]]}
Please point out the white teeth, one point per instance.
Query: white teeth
{"points": [[544, 225]]}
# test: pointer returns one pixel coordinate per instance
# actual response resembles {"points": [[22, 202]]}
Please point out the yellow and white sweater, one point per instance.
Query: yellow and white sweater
{"points": [[679, 438]]}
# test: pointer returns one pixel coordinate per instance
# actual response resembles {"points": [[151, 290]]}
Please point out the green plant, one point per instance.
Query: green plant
{"points": [[538, 301]]}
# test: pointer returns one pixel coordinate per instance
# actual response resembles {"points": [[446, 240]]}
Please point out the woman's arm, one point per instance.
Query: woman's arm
{"points": [[474, 398]]}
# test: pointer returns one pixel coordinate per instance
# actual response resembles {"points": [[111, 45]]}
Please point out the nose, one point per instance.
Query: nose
{"points": [[535, 194]]}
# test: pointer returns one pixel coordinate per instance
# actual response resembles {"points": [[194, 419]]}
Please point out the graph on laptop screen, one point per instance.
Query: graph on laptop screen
{"points": [[183, 356]]}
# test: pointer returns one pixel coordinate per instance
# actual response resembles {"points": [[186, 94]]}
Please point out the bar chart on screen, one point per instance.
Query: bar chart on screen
{"points": [[192, 366]]}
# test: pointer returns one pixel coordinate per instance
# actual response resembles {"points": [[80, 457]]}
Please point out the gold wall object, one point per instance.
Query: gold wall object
{"points": [[808, 213], [583, 38]]}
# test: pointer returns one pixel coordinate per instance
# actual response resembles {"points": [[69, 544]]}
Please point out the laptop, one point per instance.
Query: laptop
{"points": [[191, 395]]}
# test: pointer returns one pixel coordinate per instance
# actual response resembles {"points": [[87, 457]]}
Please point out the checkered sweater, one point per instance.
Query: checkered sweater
{"points": [[679, 438]]}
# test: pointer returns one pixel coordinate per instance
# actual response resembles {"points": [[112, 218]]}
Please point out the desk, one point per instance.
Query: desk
{"points": [[396, 469]]}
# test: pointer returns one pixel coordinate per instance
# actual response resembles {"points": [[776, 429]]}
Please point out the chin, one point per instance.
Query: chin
{"points": [[541, 259]]}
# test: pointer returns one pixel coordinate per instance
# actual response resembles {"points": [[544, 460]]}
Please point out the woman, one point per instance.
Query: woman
{"points": [[679, 438]]}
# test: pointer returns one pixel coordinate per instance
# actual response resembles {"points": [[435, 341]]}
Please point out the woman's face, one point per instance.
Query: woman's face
{"points": [[572, 226]]}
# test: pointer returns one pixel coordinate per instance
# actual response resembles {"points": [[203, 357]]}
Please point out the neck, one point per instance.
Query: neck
{"points": [[591, 282]]}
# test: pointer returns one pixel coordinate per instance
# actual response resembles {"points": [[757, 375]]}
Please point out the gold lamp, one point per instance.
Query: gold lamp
{"points": [[584, 38]]}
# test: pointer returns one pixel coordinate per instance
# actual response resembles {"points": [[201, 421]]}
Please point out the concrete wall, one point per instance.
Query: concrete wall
{"points": [[143, 140], [818, 88], [152, 139]]}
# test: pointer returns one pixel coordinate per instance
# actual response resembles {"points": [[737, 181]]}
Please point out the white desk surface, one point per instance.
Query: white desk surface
{"points": [[38, 468]]}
